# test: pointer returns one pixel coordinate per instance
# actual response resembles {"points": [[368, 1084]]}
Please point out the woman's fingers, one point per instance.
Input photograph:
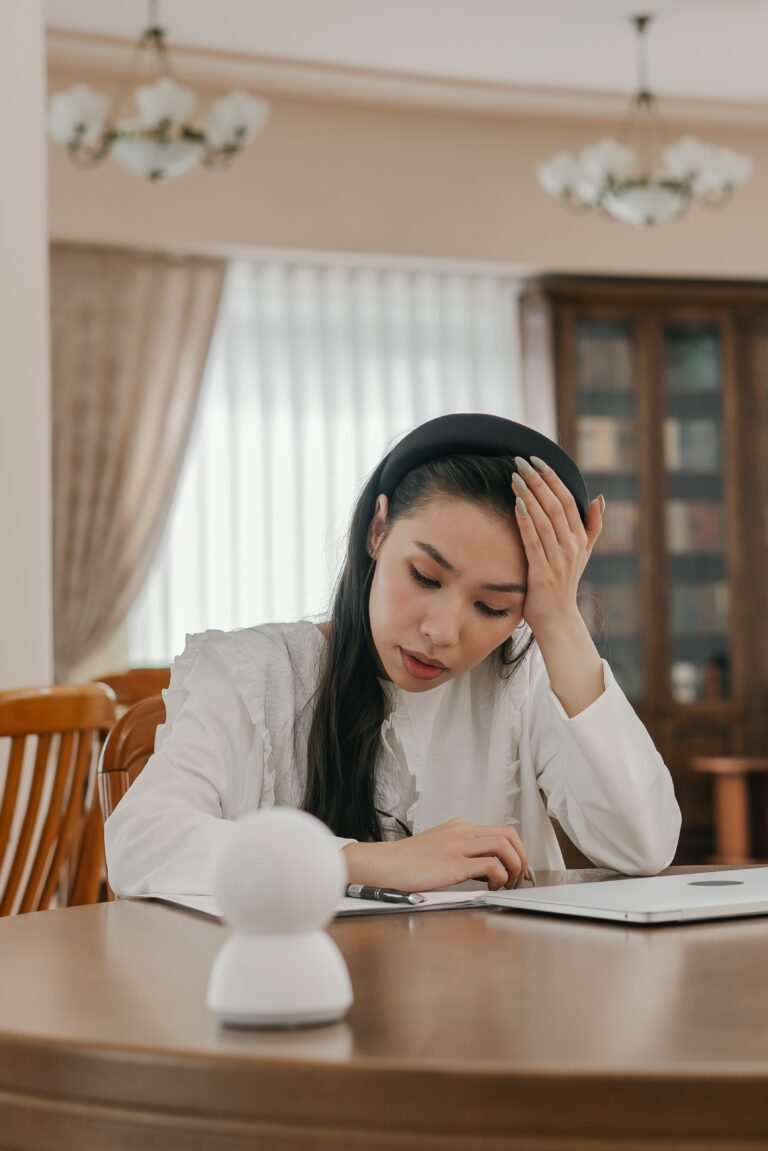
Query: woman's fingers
{"points": [[549, 525], [552, 497], [553, 512], [500, 846], [490, 869], [594, 522], [544, 479], [534, 549], [509, 833], [494, 852]]}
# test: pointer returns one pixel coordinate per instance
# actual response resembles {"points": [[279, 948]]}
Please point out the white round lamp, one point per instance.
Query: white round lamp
{"points": [[277, 882]]}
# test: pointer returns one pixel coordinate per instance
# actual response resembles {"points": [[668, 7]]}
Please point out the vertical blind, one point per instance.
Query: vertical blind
{"points": [[315, 370]]}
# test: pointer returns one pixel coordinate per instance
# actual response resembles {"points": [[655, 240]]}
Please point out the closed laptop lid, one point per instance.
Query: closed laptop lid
{"points": [[659, 899]]}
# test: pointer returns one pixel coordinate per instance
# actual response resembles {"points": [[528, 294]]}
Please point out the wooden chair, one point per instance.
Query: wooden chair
{"points": [[47, 856], [129, 687], [137, 683], [128, 747]]}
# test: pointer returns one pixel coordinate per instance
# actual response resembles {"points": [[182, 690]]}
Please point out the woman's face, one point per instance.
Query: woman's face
{"points": [[448, 588]]}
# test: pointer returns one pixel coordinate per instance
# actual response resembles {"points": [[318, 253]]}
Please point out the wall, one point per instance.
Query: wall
{"points": [[334, 175], [338, 176], [25, 499]]}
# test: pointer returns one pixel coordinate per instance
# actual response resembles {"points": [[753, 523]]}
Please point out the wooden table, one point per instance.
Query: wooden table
{"points": [[471, 1031]]}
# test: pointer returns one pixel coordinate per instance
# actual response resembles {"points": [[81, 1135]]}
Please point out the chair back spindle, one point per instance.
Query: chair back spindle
{"points": [[49, 789]]}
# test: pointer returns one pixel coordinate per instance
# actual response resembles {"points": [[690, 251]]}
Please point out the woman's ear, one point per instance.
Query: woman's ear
{"points": [[378, 526]]}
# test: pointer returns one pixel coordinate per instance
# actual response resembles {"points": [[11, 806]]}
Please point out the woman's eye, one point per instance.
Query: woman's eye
{"points": [[492, 611], [425, 581]]}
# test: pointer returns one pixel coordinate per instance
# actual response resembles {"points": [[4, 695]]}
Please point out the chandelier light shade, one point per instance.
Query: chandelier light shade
{"points": [[160, 140], [644, 184]]}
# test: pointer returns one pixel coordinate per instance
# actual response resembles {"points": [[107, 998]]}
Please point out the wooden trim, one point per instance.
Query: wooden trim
{"points": [[564, 335], [587, 290], [108, 59], [650, 483]]}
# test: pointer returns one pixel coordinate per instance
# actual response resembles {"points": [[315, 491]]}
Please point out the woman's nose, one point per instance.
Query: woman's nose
{"points": [[442, 628]]}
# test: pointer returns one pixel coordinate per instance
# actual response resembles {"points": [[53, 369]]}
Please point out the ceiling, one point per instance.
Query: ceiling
{"points": [[711, 49]]}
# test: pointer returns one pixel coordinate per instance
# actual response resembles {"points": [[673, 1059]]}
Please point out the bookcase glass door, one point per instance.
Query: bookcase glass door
{"points": [[762, 497], [606, 448], [699, 609]]}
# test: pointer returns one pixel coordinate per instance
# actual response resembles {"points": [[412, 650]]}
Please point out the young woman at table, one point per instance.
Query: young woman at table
{"points": [[454, 682]]}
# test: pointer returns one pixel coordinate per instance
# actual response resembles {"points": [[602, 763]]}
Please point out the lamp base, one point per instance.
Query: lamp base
{"points": [[279, 981]]}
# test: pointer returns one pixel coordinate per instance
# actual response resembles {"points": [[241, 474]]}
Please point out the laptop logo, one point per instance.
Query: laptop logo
{"points": [[716, 883]]}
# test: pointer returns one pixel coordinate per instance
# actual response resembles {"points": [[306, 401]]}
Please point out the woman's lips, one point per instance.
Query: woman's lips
{"points": [[417, 668]]}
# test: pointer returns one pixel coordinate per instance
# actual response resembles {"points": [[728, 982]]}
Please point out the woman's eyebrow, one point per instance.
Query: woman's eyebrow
{"points": [[434, 554]]}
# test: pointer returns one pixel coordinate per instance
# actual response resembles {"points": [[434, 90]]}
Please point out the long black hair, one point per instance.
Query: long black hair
{"points": [[350, 703]]}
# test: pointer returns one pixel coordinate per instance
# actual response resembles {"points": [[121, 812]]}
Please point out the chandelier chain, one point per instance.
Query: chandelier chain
{"points": [[643, 82], [643, 177]]}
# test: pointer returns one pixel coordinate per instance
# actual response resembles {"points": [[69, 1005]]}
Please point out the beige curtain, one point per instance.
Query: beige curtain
{"points": [[130, 333]]}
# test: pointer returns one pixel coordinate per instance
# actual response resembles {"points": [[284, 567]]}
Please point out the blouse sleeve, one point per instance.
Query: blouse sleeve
{"points": [[164, 832], [603, 778]]}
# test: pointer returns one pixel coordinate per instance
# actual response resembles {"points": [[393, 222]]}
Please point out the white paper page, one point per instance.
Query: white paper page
{"points": [[434, 901]]}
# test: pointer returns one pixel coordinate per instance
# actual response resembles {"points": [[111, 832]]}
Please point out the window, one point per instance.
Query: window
{"points": [[316, 368]]}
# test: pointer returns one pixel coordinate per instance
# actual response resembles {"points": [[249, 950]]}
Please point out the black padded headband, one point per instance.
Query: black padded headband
{"points": [[478, 434]]}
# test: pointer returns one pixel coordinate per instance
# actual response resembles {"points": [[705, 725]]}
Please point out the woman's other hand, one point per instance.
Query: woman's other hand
{"points": [[556, 542], [558, 546], [452, 852]]}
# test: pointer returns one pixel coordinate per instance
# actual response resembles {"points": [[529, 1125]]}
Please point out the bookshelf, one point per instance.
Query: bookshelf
{"points": [[662, 398]]}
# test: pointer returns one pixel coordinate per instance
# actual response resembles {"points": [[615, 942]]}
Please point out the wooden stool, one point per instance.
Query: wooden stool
{"points": [[731, 793]]}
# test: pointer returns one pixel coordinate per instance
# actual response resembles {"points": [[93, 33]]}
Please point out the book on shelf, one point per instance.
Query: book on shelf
{"points": [[693, 527], [692, 360], [620, 528], [605, 444], [699, 608], [604, 357], [612, 608], [692, 445]]}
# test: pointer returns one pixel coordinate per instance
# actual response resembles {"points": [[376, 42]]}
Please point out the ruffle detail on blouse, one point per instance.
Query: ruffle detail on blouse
{"points": [[388, 771], [251, 681], [271, 684], [175, 694], [268, 778]]}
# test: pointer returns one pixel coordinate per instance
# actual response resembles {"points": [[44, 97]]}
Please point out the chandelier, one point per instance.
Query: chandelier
{"points": [[628, 182], [159, 141]]}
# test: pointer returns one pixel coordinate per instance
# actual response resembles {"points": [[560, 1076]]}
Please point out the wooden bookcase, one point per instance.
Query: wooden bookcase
{"points": [[662, 399]]}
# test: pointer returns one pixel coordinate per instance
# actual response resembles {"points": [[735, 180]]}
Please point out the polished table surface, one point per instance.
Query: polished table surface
{"points": [[470, 1029]]}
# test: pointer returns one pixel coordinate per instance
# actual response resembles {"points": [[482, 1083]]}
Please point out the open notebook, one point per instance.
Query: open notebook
{"points": [[434, 901]]}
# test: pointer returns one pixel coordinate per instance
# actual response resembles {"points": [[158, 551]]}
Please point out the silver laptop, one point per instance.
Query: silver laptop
{"points": [[661, 899]]}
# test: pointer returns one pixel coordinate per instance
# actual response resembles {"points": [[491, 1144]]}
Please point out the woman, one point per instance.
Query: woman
{"points": [[454, 682]]}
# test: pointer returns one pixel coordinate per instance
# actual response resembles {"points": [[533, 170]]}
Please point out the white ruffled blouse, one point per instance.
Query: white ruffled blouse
{"points": [[238, 710]]}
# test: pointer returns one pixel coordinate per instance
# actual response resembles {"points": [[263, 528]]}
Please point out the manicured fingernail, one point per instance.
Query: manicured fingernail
{"points": [[602, 504], [523, 466], [518, 483], [520, 505], [540, 465]]}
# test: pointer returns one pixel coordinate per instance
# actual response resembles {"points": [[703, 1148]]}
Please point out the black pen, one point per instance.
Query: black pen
{"points": [[383, 894]]}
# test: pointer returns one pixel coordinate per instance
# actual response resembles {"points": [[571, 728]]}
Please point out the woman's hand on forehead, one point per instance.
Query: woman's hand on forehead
{"points": [[557, 543]]}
